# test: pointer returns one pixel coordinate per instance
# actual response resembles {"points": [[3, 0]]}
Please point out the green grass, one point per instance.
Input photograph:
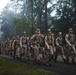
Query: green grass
{"points": [[13, 67]]}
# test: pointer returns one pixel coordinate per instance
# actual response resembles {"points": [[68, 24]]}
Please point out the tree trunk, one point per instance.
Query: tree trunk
{"points": [[46, 25]]}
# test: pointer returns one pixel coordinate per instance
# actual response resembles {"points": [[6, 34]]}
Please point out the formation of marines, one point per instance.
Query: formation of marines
{"points": [[41, 47]]}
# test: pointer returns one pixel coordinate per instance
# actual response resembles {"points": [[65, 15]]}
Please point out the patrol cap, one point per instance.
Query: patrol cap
{"points": [[17, 36], [8, 38], [24, 32], [13, 37], [35, 31], [70, 29], [52, 34], [60, 33], [49, 30], [38, 29]]}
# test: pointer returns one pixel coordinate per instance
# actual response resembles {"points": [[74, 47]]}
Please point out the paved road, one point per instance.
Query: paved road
{"points": [[57, 67]]}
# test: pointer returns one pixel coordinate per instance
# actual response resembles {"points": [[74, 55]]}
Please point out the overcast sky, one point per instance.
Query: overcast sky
{"points": [[3, 3]]}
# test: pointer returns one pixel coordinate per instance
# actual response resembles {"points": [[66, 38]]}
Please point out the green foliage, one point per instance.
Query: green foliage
{"points": [[31, 14], [65, 16], [21, 25]]}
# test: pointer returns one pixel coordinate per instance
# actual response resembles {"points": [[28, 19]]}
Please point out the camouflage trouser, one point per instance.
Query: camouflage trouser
{"points": [[36, 52], [0, 50], [18, 52], [7, 51], [42, 53], [71, 51], [54, 52], [15, 51], [24, 53], [3, 50], [31, 51], [49, 54], [61, 52]]}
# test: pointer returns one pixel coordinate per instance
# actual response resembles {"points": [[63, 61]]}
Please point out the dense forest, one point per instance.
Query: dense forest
{"points": [[27, 15]]}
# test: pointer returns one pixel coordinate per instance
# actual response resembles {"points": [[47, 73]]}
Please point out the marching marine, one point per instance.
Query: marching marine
{"points": [[37, 40], [24, 47], [70, 41], [16, 47], [8, 46], [59, 47], [49, 43], [0, 46]]}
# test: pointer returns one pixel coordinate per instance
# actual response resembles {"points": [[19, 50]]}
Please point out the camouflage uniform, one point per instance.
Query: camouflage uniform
{"points": [[37, 40], [24, 47], [12, 47], [70, 40], [54, 47], [16, 47], [8, 46], [0, 46], [59, 46], [49, 43]]}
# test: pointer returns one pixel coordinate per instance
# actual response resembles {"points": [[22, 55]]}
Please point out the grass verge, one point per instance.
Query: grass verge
{"points": [[13, 67]]}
